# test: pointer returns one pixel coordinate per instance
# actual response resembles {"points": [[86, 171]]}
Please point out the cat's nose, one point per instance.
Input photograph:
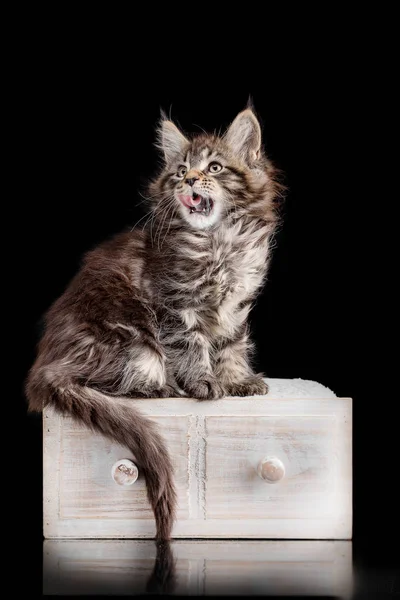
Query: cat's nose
{"points": [[191, 180]]}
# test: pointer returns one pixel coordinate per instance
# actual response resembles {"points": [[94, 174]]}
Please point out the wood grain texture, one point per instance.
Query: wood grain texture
{"points": [[201, 567], [216, 449]]}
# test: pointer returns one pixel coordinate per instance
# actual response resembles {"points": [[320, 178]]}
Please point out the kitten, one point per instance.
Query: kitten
{"points": [[161, 311]]}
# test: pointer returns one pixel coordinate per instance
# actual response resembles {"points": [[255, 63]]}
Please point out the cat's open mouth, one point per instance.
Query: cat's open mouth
{"points": [[204, 205], [197, 204]]}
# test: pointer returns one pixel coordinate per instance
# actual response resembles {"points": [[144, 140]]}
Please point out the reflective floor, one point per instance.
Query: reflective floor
{"points": [[267, 568]]}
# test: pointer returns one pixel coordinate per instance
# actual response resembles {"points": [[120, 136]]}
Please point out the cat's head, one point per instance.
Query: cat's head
{"points": [[206, 177]]}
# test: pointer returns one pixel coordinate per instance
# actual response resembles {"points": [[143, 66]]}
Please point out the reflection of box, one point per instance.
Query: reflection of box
{"points": [[198, 567], [298, 437]]}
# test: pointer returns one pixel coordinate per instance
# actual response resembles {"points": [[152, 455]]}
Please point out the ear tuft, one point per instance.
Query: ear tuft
{"points": [[250, 104]]}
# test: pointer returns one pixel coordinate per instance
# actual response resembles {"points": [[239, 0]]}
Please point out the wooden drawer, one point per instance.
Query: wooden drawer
{"points": [[81, 499], [304, 485], [265, 467]]}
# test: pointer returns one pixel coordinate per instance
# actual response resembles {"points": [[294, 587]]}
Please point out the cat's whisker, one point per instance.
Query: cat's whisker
{"points": [[147, 220], [141, 219], [150, 216], [157, 216], [152, 221], [160, 228], [163, 218], [162, 193], [148, 199], [159, 221], [170, 221], [142, 201]]}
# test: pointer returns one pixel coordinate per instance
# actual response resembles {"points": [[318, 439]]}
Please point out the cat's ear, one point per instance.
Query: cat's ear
{"points": [[244, 136], [170, 140]]}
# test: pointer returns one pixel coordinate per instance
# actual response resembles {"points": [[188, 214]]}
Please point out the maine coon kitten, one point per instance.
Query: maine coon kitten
{"points": [[161, 311]]}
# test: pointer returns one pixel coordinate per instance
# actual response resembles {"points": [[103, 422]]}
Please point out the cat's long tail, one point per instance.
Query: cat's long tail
{"points": [[116, 419]]}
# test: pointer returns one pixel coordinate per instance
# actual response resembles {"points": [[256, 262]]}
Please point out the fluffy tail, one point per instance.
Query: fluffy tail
{"points": [[116, 419]]}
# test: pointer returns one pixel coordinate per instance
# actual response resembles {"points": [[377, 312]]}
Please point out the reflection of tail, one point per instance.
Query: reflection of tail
{"points": [[116, 419], [163, 578]]}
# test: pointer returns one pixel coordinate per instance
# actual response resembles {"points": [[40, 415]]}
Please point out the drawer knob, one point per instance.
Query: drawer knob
{"points": [[271, 469], [124, 472]]}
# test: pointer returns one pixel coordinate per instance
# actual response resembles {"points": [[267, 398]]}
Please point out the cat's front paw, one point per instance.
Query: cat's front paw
{"points": [[207, 388], [168, 391], [248, 387]]}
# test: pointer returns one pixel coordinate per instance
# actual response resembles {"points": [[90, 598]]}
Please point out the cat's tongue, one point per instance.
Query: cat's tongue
{"points": [[190, 200]]}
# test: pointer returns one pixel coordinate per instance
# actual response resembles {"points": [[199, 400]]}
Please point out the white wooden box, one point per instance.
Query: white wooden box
{"points": [[299, 437]]}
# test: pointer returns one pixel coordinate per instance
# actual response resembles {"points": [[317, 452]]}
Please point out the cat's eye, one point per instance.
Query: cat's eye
{"points": [[214, 167], [181, 172]]}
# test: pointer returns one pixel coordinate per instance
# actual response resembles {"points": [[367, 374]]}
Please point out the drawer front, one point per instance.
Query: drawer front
{"points": [[309, 475]]}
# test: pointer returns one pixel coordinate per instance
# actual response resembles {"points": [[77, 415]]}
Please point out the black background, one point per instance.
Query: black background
{"points": [[88, 145]]}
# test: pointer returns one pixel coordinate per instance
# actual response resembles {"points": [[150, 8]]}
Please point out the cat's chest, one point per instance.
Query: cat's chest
{"points": [[213, 278], [236, 268], [235, 273]]}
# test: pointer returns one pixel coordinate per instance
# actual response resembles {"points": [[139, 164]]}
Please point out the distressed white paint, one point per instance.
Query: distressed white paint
{"points": [[216, 448], [295, 568]]}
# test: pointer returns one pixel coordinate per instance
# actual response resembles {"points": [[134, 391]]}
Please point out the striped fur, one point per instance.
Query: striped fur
{"points": [[162, 310]]}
